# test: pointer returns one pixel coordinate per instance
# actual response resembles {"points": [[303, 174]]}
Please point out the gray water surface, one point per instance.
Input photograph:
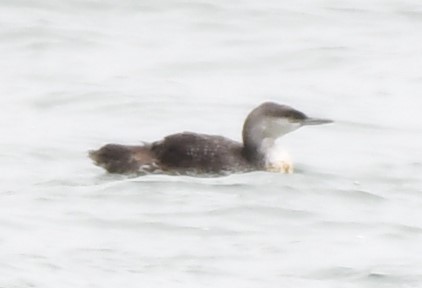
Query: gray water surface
{"points": [[75, 75]]}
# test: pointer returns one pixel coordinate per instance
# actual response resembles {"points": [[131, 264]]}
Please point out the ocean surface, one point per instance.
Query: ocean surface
{"points": [[76, 74]]}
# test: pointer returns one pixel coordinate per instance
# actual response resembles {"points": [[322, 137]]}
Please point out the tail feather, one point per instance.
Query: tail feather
{"points": [[123, 159]]}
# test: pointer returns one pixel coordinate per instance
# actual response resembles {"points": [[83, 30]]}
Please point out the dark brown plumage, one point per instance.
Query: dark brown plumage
{"points": [[193, 153]]}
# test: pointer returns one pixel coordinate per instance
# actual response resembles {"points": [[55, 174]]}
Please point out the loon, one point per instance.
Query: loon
{"points": [[190, 153]]}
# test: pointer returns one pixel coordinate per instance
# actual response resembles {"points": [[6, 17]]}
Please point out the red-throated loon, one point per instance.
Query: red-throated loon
{"points": [[192, 153]]}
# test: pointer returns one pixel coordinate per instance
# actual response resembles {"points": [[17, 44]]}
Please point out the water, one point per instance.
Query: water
{"points": [[79, 74]]}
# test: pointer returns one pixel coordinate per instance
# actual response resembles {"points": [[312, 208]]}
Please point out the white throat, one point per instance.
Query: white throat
{"points": [[264, 133]]}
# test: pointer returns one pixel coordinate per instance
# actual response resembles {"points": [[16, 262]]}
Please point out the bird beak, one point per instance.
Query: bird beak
{"points": [[316, 121]]}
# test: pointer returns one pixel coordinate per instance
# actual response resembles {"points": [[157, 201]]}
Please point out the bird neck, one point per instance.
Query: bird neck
{"points": [[260, 133], [256, 147]]}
